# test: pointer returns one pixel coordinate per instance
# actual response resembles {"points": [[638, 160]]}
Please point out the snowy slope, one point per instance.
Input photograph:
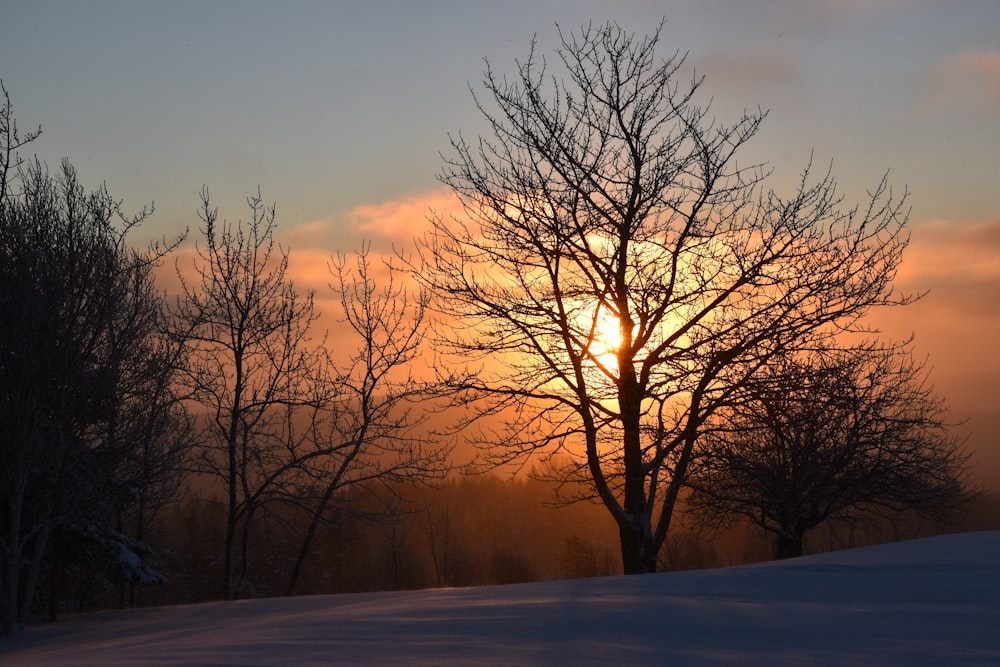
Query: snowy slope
{"points": [[934, 601]]}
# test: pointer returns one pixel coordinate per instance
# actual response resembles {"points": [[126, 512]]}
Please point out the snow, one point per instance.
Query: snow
{"points": [[128, 557], [934, 601]]}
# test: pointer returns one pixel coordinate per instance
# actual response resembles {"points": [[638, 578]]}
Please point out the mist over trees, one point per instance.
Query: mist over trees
{"points": [[622, 312]]}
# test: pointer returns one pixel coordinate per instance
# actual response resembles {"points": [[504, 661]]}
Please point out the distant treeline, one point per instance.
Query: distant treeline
{"points": [[470, 531]]}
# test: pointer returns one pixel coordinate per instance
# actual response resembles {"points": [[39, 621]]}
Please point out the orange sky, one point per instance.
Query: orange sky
{"points": [[955, 325]]}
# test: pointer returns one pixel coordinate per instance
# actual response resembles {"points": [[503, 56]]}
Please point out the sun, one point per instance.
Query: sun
{"points": [[603, 332], [609, 330]]}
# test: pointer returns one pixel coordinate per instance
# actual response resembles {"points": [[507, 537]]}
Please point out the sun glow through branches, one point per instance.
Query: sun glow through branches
{"points": [[605, 338]]}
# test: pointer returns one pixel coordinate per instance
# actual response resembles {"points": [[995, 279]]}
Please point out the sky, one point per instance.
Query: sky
{"points": [[934, 601], [339, 112]]}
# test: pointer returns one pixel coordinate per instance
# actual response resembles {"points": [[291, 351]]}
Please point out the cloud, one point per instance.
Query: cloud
{"points": [[958, 265], [961, 259], [313, 234], [956, 324], [384, 226], [401, 220], [969, 80], [308, 268]]}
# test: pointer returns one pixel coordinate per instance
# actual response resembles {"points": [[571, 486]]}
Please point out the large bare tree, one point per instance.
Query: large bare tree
{"points": [[832, 435], [616, 275]]}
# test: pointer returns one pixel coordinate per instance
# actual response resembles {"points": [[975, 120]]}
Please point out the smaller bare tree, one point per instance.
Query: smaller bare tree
{"points": [[372, 429], [253, 368], [827, 436]]}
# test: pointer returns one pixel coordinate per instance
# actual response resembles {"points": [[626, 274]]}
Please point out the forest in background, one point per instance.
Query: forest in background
{"points": [[472, 530]]}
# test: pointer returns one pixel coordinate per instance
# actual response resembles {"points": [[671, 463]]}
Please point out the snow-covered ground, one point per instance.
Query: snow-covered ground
{"points": [[934, 601]]}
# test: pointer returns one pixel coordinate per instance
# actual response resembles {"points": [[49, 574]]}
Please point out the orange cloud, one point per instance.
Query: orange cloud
{"points": [[313, 234], [404, 219], [956, 324], [386, 226], [958, 260], [966, 81], [308, 269]]}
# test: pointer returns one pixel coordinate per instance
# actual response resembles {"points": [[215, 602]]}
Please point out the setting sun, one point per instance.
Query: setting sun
{"points": [[603, 330]]}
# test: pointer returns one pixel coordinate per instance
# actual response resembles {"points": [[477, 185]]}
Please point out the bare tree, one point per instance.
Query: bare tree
{"points": [[11, 141], [289, 423], [25, 531], [373, 427], [152, 423], [78, 323], [253, 368], [825, 436], [616, 274]]}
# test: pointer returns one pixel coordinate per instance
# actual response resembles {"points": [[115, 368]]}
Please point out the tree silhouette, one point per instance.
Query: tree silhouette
{"points": [[289, 422], [92, 437], [608, 194], [826, 436], [252, 367], [370, 428]]}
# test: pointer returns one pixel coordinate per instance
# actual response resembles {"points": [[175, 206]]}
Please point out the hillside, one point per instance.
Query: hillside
{"points": [[933, 601]]}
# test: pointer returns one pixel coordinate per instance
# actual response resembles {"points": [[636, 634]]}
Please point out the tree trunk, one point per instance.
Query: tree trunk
{"points": [[11, 584], [636, 533], [638, 551], [12, 558], [35, 567], [307, 539], [244, 574], [229, 576], [788, 545]]}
